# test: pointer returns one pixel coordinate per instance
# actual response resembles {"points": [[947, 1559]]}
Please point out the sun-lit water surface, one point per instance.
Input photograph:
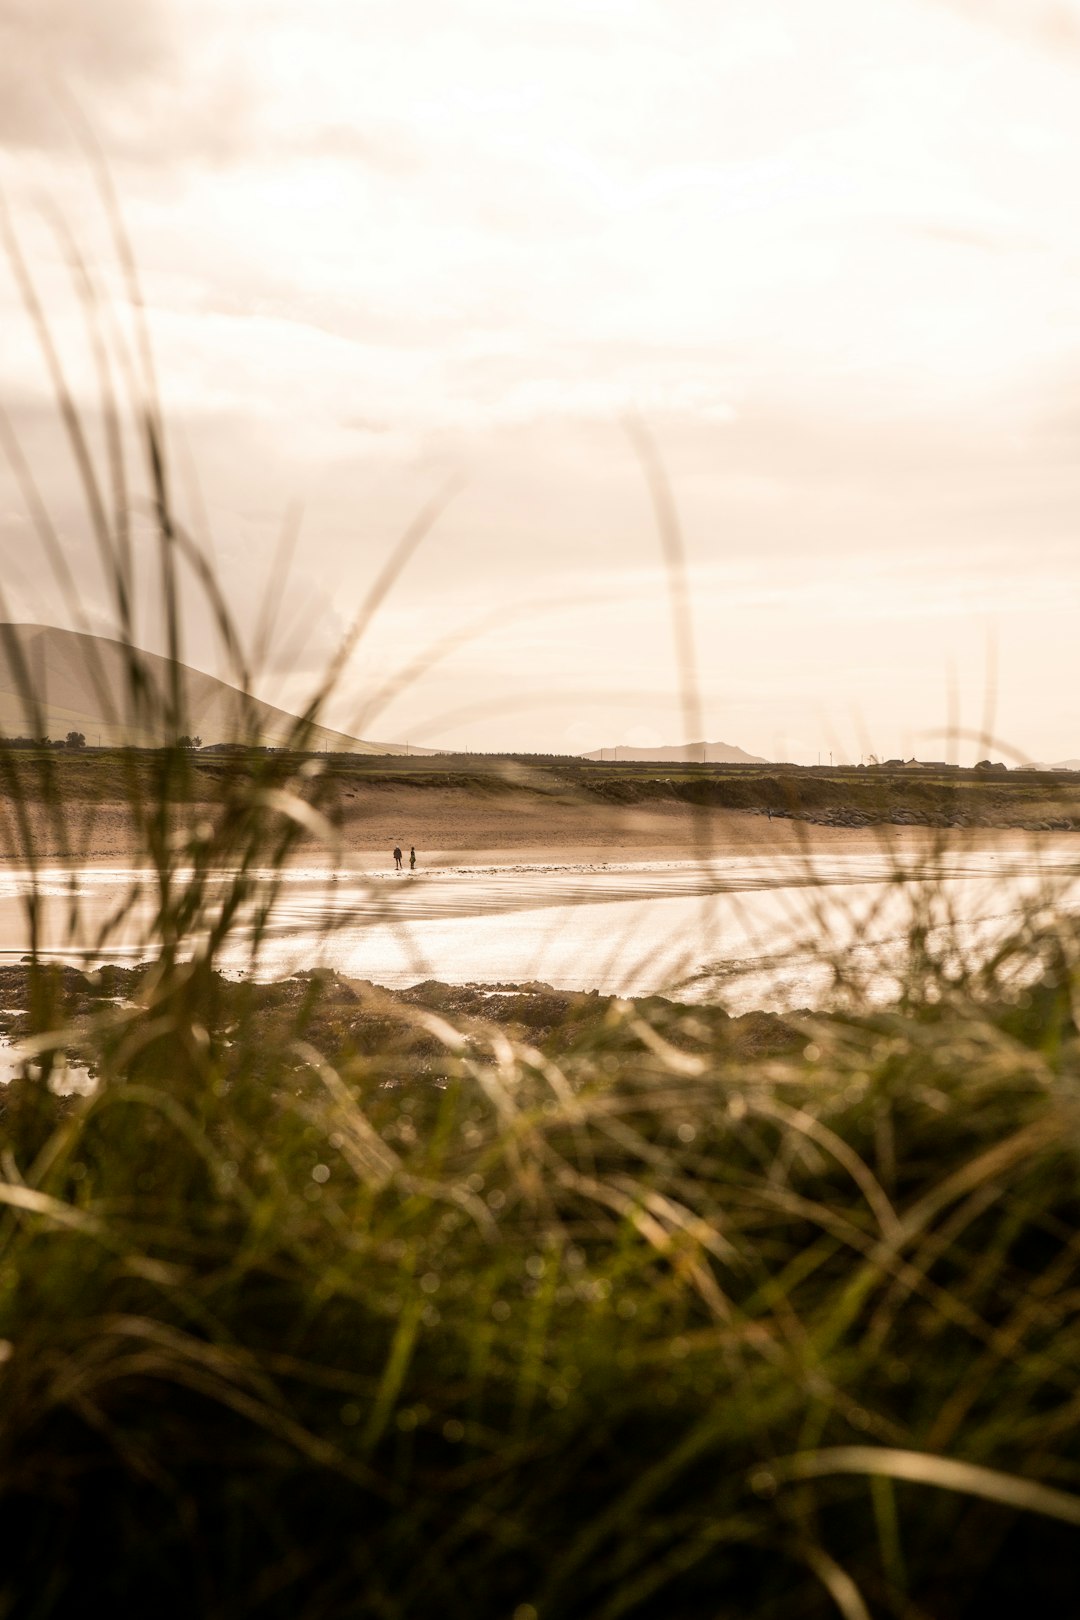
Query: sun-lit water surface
{"points": [[744, 932]]}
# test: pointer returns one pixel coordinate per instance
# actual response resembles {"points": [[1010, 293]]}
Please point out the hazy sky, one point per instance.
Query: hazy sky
{"points": [[828, 249]]}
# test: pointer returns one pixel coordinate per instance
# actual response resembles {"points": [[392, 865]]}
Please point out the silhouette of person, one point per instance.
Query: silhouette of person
{"points": [[412, 859], [397, 858]]}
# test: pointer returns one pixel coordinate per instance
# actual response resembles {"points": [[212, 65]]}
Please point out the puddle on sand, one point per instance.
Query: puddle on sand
{"points": [[66, 1080]]}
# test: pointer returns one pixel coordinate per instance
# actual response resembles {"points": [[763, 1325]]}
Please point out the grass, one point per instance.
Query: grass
{"points": [[328, 1302]]}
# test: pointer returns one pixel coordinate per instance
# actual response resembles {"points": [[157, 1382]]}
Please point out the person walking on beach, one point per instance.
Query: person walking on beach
{"points": [[412, 858], [397, 858]]}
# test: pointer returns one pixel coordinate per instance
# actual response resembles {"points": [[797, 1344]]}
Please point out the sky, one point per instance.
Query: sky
{"points": [[827, 253]]}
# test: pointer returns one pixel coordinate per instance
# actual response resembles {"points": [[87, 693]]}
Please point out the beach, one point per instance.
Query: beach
{"points": [[470, 826]]}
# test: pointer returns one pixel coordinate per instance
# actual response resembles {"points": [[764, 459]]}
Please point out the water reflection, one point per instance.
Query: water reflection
{"points": [[745, 932]]}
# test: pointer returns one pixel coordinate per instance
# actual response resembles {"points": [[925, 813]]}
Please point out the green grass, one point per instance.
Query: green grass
{"points": [[324, 1305]]}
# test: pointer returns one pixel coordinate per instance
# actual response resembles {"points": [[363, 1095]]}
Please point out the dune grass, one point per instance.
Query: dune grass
{"points": [[325, 1303], [329, 1305]]}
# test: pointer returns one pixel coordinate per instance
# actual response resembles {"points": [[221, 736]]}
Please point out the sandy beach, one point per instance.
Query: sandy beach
{"points": [[463, 827]]}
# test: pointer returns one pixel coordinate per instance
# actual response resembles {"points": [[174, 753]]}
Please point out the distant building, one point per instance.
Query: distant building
{"points": [[912, 765]]}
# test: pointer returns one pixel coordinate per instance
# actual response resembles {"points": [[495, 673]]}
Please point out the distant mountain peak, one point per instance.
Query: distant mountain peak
{"points": [[717, 753], [80, 682]]}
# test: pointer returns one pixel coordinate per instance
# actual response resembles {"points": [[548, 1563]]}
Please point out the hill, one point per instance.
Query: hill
{"points": [[81, 683], [717, 753]]}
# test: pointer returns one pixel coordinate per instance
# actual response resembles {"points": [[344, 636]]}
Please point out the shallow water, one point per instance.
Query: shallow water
{"points": [[66, 1079], [744, 932]]}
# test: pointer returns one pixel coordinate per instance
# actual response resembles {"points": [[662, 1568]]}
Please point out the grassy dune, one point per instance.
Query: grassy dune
{"points": [[329, 1302], [857, 798]]}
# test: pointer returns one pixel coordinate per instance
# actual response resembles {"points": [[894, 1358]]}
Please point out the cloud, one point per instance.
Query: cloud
{"points": [[47, 46], [157, 85], [389, 151]]}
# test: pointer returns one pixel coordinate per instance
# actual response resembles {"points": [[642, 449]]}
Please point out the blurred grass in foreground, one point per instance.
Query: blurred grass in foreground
{"points": [[325, 1305]]}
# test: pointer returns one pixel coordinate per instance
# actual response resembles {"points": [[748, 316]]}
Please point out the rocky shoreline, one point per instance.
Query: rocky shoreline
{"points": [[349, 1019], [904, 817]]}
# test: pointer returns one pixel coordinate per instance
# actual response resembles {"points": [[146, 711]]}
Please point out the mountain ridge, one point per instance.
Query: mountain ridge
{"points": [[718, 753], [80, 683]]}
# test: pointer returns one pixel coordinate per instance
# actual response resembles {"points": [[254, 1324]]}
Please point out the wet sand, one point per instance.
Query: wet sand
{"points": [[751, 929]]}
